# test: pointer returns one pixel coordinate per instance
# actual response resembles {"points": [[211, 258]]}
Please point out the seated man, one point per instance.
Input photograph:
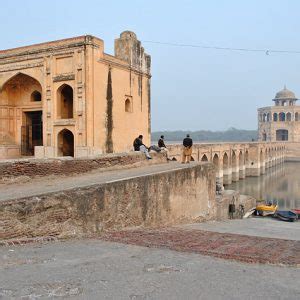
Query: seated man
{"points": [[161, 142], [139, 146], [162, 145]]}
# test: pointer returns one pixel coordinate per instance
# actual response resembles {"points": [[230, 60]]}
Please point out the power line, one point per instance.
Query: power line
{"points": [[266, 51]]}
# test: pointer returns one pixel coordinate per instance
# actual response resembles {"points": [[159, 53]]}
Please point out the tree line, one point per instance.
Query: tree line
{"points": [[230, 135]]}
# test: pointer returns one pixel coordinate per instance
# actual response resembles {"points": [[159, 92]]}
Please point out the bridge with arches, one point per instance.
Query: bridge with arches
{"points": [[235, 161]]}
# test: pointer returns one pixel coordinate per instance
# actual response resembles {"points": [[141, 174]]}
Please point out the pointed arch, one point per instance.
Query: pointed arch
{"points": [[282, 117], [65, 143], [65, 102], [204, 158], [261, 156], [225, 161], [128, 105], [246, 157], [233, 159], [18, 74], [241, 158], [18, 89], [216, 161]]}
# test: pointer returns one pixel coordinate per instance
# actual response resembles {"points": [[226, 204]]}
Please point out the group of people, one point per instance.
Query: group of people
{"points": [[187, 144]]}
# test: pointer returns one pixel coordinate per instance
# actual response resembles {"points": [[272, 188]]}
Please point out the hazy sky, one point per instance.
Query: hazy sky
{"points": [[192, 88]]}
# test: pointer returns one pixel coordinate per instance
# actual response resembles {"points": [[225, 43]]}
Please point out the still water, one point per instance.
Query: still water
{"points": [[280, 184]]}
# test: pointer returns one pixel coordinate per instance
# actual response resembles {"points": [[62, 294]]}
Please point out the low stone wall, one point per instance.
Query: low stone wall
{"points": [[68, 166], [9, 151], [181, 195]]}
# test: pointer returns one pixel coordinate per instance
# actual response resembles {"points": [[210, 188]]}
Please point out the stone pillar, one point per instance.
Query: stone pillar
{"points": [[247, 170], [235, 173], [273, 163], [219, 176], [227, 176], [242, 172], [253, 168], [262, 168]]}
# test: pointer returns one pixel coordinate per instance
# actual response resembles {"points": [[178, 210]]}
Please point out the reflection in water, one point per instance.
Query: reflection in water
{"points": [[280, 183]]}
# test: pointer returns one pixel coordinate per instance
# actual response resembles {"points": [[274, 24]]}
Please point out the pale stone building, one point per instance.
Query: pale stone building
{"points": [[280, 122], [70, 98]]}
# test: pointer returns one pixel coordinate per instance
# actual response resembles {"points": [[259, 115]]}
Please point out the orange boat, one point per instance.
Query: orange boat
{"points": [[266, 210]]}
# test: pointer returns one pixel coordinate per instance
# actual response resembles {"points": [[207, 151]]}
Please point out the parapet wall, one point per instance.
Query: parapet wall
{"points": [[180, 195], [45, 167], [292, 152]]}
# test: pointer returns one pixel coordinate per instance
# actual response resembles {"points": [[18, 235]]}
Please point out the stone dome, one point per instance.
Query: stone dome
{"points": [[285, 94], [128, 35]]}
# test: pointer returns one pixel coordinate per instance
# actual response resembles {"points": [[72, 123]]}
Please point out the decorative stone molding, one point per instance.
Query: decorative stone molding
{"points": [[64, 122], [64, 77], [21, 67]]}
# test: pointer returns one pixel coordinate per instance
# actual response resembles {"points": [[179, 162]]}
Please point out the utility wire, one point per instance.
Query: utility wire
{"points": [[266, 51]]}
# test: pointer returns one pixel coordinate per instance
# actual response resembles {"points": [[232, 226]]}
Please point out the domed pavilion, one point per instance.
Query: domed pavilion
{"points": [[280, 122]]}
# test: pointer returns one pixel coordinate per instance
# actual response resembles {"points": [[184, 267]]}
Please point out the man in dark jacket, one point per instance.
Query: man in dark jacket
{"points": [[139, 146], [161, 142], [162, 146], [187, 149]]}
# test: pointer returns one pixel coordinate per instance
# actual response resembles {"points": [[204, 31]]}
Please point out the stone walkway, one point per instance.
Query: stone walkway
{"points": [[257, 226], [38, 186], [95, 269], [237, 247]]}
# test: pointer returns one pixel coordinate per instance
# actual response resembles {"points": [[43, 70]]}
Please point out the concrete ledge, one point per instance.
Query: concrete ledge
{"points": [[184, 194], [291, 159]]}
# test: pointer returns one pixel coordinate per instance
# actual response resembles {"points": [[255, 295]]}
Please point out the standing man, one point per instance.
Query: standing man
{"points": [[187, 149], [139, 146]]}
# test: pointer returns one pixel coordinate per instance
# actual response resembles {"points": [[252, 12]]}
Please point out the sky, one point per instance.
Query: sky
{"points": [[192, 88]]}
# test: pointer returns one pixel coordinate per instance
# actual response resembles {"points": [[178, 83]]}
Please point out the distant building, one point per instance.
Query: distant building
{"points": [[70, 98], [280, 122]]}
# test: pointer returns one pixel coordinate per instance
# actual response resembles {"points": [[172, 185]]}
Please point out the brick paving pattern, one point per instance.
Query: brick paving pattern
{"points": [[243, 248]]}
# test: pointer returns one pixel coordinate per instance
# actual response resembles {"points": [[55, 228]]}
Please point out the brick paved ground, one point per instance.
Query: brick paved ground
{"points": [[223, 245]]}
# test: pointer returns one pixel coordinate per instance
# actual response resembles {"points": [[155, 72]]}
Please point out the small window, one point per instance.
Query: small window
{"points": [[128, 106], [36, 96]]}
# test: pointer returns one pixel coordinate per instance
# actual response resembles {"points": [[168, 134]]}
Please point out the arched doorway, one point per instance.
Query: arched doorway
{"points": [[128, 106], [282, 135], [65, 102], [65, 142], [21, 96]]}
